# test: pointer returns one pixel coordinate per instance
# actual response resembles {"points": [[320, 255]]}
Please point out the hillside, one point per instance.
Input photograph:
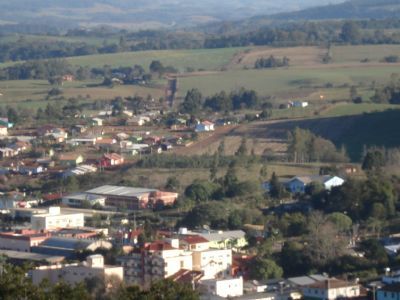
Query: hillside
{"points": [[144, 14], [354, 132], [353, 9]]}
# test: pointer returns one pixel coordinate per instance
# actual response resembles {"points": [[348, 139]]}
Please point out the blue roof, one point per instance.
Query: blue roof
{"points": [[67, 243]]}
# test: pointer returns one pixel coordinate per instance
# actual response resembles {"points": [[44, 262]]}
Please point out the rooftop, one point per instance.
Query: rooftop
{"points": [[31, 256], [332, 283], [120, 191]]}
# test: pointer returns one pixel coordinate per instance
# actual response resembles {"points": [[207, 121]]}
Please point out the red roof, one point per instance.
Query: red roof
{"points": [[207, 123], [159, 246], [195, 239], [113, 156]]}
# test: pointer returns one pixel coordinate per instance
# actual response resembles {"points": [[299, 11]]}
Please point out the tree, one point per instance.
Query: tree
{"points": [[201, 191], [373, 161], [214, 214], [264, 171], [323, 241], [264, 269], [172, 184], [192, 102], [12, 115], [350, 33], [156, 67], [342, 222], [277, 190], [242, 150]]}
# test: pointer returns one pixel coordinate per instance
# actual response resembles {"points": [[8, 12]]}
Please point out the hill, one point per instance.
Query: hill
{"points": [[353, 9], [144, 14]]}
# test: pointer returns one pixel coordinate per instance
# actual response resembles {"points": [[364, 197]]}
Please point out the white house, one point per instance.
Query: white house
{"points": [[298, 184], [205, 126], [331, 289], [228, 287], [97, 122], [3, 130], [76, 273], [54, 219]]}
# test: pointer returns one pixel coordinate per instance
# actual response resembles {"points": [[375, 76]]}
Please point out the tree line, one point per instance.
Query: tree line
{"points": [[286, 34]]}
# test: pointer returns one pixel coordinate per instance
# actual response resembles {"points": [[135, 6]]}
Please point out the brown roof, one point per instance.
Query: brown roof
{"points": [[159, 246], [113, 156], [186, 276], [195, 239], [69, 156], [332, 283]]}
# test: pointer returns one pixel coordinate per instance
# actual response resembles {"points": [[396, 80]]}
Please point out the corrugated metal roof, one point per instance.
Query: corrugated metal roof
{"points": [[120, 191]]}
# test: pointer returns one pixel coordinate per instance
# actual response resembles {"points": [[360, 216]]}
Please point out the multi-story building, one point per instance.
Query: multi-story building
{"points": [[78, 272], [157, 260], [331, 289], [213, 262], [54, 219]]}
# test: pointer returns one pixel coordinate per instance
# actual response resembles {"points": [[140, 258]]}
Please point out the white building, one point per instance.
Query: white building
{"points": [[213, 262], [331, 289], [78, 272], [229, 287], [205, 126], [55, 219], [3, 130], [298, 184], [157, 260]]}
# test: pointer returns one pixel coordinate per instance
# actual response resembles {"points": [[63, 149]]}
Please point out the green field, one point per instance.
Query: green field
{"points": [[202, 59], [32, 93], [374, 53], [284, 81]]}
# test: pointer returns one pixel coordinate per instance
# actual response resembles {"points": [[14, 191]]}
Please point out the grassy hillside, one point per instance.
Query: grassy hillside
{"points": [[373, 129]]}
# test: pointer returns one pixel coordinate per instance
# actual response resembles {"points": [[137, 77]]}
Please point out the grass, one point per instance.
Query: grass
{"points": [[32, 93], [356, 109], [206, 59], [286, 81], [374, 53]]}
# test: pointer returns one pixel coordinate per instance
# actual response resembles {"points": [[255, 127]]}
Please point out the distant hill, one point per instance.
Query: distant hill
{"points": [[353, 9], [143, 13]]}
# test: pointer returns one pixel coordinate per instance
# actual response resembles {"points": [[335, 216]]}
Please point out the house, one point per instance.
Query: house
{"points": [[225, 288], [68, 77], [301, 104], [205, 126], [298, 184], [70, 159], [80, 170], [224, 239], [106, 143], [6, 122], [58, 134], [213, 262], [11, 199], [111, 159], [7, 152], [194, 243], [97, 122], [331, 289], [30, 169], [72, 274], [3, 130], [138, 121], [54, 219], [20, 146]]}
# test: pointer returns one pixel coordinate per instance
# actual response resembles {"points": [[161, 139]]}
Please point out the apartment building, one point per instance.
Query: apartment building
{"points": [[155, 261], [213, 262]]}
